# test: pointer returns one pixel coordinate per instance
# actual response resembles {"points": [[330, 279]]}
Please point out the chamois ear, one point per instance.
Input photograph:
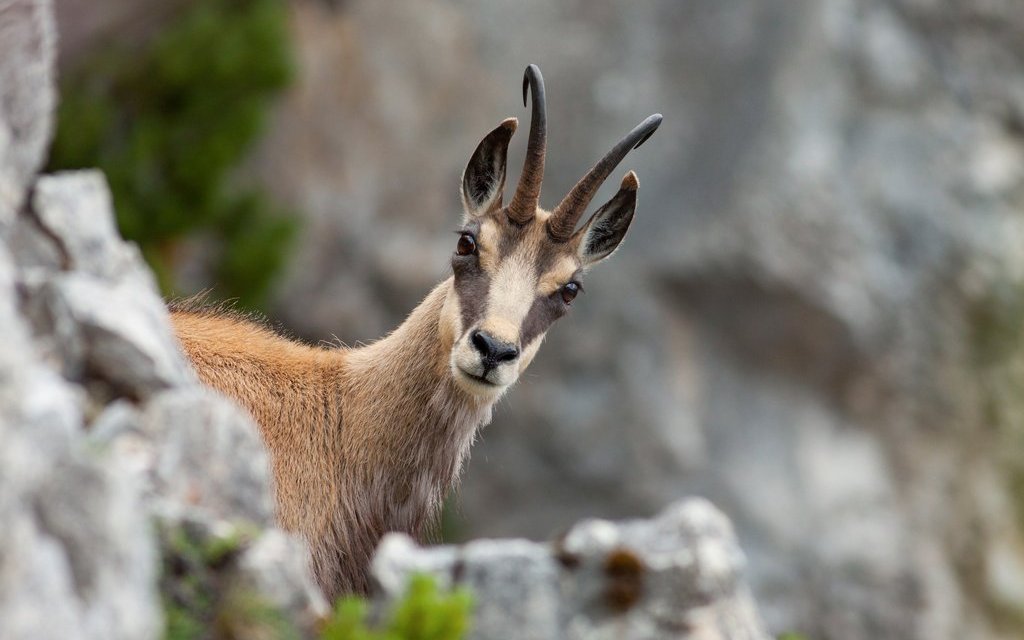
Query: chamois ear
{"points": [[483, 181], [600, 237]]}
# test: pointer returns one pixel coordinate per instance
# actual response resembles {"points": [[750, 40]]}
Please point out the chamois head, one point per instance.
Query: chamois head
{"points": [[517, 268]]}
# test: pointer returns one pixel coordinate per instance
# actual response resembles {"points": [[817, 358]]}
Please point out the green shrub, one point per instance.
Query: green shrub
{"points": [[170, 122], [423, 614]]}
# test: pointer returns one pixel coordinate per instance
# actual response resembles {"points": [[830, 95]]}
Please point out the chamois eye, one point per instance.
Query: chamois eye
{"points": [[467, 245], [569, 292]]}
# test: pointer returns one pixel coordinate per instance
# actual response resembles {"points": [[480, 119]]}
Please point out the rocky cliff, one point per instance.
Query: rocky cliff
{"points": [[135, 503], [815, 321]]}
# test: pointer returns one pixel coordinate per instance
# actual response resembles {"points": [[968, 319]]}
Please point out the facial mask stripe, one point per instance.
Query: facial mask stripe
{"points": [[472, 291], [542, 313]]}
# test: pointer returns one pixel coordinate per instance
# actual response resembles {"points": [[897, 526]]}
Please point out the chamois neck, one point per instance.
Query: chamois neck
{"points": [[408, 378], [411, 353], [407, 425]]}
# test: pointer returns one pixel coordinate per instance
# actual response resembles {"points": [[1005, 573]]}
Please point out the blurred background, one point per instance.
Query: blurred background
{"points": [[815, 320]]}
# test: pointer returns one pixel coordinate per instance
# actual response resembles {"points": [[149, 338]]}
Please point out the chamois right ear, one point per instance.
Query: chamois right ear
{"points": [[483, 181], [600, 237]]}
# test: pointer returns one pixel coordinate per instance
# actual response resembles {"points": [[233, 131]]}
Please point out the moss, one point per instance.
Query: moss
{"points": [[424, 613], [169, 124]]}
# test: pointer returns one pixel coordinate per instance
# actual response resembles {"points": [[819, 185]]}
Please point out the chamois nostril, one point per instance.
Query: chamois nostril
{"points": [[493, 350], [506, 353], [482, 342]]}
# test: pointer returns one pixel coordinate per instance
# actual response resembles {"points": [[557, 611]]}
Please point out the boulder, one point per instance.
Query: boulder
{"points": [[676, 575]]}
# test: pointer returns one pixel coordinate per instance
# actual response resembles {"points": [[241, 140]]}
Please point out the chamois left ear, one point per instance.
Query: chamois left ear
{"points": [[600, 237], [483, 181]]}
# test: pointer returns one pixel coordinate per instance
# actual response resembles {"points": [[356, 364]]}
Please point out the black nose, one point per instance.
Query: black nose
{"points": [[494, 351]]}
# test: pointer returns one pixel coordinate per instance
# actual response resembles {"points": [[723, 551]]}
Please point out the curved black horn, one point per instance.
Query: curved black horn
{"points": [[524, 203], [563, 219]]}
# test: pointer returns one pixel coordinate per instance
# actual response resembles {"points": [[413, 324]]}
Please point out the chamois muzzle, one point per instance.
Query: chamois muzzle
{"points": [[523, 206], [493, 351], [563, 219]]}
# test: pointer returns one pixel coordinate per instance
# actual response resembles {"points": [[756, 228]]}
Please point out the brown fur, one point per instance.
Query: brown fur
{"points": [[344, 477]]}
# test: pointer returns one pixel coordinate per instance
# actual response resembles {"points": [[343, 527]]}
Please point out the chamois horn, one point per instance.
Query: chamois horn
{"points": [[563, 219], [524, 203]]}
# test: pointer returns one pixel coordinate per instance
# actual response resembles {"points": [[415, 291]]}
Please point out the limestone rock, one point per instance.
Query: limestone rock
{"points": [[77, 562], [118, 332], [815, 320], [274, 565], [103, 429], [193, 450], [27, 54], [74, 210], [674, 576]]}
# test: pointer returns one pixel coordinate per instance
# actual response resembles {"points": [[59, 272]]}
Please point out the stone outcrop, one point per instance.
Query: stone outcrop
{"points": [[674, 576], [815, 321], [103, 428]]}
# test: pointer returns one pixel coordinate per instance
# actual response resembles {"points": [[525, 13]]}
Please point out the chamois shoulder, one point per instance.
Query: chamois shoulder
{"points": [[223, 331]]}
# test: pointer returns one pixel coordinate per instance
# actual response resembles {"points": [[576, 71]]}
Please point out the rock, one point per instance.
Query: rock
{"points": [[74, 562], [105, 437], [193, 450], [93, 302], [674, 576], [74, 209], [27, 55], [116, 332], [815, 320], [90, 509], [274, 565]]}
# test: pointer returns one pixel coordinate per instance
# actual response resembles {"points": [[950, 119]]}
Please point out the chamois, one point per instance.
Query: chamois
{"points": [[369, 440]]}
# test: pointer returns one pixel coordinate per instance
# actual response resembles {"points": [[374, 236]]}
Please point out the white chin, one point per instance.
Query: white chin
{"points": [[475, 386]]}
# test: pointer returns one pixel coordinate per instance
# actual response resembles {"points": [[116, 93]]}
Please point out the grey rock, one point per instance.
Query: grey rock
{"points": [[677, 575], [77, 561], [32, 394], [274, 565], [27, 54], [102, 426], [75, 211], [93, 303], [90, 509], [194, 451], [815, 321], [118, 331]]}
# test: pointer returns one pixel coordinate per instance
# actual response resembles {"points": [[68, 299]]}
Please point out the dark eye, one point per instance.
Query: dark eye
{"points": [[569, 292], [466, 246]]}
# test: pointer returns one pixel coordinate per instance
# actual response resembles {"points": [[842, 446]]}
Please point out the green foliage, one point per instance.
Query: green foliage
{"points": [[168, 124], [791, 636], [202, 597], [423, 614]]}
